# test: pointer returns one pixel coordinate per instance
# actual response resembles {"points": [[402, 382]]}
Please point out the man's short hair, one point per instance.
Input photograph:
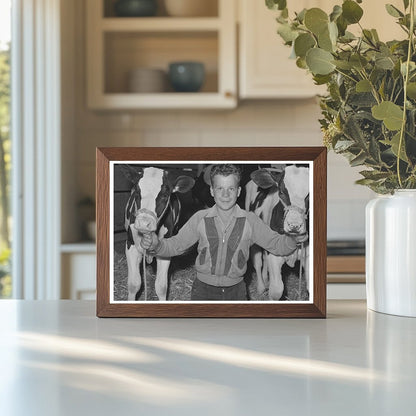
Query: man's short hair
{"points": [[225, 170]]}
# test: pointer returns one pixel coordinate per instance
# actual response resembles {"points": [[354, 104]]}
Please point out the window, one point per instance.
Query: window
{"points": [[5, 147]]}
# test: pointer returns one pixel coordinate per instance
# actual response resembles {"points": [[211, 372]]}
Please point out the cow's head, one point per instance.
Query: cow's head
{"points": [[150, 197], [290, 214]]}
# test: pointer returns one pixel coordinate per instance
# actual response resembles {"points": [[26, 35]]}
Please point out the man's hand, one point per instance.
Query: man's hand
{"points": [[301, 238], [149, 241]]}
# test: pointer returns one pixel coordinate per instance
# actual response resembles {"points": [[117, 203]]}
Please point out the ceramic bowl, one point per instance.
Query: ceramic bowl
{"points": [[135, 8], [191, 8], [147, 80], [186, 76]]}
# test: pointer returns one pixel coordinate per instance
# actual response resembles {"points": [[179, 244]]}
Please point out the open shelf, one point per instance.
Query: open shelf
{"points": [[160, 24], [126, 51], [118, 45], [209, 9]]}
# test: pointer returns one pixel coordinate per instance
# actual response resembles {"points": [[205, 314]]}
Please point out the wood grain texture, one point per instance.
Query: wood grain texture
{"points": [[317, 309], [319, 229], [103, 225]]}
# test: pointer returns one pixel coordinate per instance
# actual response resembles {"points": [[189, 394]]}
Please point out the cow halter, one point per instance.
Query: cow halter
{"points": [[291, 208], [152, 214], [147, 212]]}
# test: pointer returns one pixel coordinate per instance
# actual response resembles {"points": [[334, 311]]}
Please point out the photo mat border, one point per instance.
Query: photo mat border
{"points": [[237, 162]]}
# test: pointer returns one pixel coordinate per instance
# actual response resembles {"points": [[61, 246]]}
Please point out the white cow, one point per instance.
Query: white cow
{"points": [[152, 206], [280, 197]]}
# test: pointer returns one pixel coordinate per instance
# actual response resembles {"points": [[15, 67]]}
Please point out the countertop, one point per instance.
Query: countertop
{"points": [[57, 358]]}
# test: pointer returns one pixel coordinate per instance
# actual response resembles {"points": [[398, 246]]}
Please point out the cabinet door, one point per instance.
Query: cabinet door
{"points": [[265, 69], [78, 276]]}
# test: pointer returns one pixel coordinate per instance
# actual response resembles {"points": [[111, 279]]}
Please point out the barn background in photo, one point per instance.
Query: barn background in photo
{"points": [[181, 270]]}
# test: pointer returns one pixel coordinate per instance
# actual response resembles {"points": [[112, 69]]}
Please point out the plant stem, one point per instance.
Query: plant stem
{"points": [[406, 79], [391, 98], [346, 75], [373, 88]]}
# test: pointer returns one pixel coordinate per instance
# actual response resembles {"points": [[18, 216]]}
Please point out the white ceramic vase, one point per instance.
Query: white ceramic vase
{"points": [[391, 253]]}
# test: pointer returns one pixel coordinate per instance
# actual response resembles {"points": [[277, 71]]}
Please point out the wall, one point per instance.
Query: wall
{"points": [[253, 123]]}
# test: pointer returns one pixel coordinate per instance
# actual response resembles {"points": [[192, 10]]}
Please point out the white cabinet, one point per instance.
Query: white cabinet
{"points": [[118, 45], [265, 70], [78, 263]]}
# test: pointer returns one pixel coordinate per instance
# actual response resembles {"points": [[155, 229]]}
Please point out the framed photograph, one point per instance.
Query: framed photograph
{"points": [[211, 232]]}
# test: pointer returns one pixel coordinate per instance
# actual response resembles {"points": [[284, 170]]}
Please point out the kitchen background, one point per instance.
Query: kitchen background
{"points": [[276, 121]]}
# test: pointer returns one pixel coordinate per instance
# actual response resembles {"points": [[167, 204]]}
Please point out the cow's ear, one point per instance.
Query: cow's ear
{"points": [[132, 173], [262, 178], [183, 184], [207, 175]]}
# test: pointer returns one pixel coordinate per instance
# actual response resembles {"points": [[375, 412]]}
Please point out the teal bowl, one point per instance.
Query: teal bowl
{"points": [[186, 76], [135, 8]]}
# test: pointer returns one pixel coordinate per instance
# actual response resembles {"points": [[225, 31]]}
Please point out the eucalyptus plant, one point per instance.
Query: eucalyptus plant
{"points": [[369, 112]]}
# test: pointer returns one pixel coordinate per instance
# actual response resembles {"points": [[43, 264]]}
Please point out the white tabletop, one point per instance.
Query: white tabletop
{"points": [[57, 358]]}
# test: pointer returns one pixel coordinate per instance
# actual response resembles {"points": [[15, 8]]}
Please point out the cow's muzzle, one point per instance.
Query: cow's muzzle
{"points": [[294, 220], [145, 221]]}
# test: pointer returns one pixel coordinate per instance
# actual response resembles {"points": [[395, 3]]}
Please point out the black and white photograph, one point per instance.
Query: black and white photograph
{"points": [[226, 231]]}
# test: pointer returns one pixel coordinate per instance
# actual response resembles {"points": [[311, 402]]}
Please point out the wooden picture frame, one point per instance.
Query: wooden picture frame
{"points": [[111, 301]]}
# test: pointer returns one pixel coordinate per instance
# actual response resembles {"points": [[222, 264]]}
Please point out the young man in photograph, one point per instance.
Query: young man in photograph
{"points": [[224, 233]]}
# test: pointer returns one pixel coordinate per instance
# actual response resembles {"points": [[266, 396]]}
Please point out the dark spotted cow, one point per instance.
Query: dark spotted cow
{"points": [[281, 198], [153, 206]]}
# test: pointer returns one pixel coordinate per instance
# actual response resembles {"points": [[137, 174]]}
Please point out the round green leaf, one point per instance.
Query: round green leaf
{"points": [[316, 20], [301, 63], [344, 65], [395, 144], [284, 14], [342, 25], [412, 67], [358, 61], [327, 39], [336, 12], [325, 42], [347, 37], [322, 79], [351, 11], [301, 15], [391, 114], [276, 4], [384, 62], [303, 43], [333, 32], [319, 61], [287, 33], [411, 90], [363, 86]]}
